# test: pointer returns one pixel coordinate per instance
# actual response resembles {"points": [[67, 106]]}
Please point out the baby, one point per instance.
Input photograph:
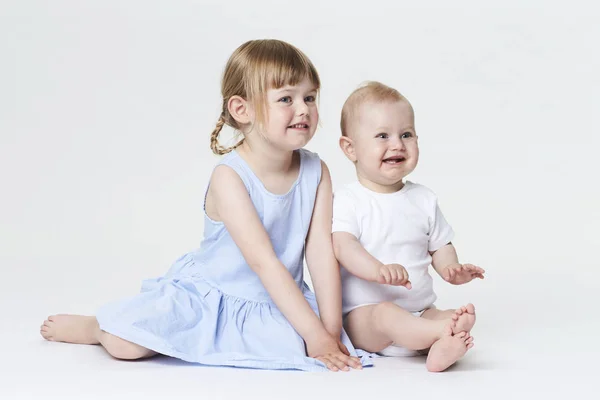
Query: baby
{"points": [[386, 233]]}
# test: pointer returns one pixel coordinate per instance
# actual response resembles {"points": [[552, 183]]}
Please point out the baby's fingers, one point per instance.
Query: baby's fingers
{"points": [[384, 275], [474, 268], [405, 282]]}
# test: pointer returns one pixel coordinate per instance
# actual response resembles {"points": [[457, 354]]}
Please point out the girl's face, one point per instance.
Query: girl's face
{"points": [[292, 115]]}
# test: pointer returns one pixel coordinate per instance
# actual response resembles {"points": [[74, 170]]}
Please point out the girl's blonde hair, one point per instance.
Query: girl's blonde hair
{"points": [[252, 69]]}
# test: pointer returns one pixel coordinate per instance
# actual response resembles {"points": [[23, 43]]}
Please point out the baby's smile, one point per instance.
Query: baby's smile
{"points": [[394, 160]]}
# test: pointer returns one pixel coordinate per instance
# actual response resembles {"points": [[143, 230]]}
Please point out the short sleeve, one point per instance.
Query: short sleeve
{"points": [[440, 232], [345, 218]]}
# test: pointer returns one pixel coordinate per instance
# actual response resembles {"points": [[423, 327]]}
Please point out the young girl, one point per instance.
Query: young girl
{"points": [[240, 299]]}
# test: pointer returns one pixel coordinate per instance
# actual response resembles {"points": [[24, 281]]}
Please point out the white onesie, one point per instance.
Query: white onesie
{"points": [[402, 228]]}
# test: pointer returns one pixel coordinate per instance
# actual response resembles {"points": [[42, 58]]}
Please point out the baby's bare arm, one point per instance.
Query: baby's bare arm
{"points": [[445, 262], [443, 257], [353, 256]]}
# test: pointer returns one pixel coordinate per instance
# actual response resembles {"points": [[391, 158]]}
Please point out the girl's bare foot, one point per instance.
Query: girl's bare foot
{"points": [[464, 319], [448, 350], [68, 328]]}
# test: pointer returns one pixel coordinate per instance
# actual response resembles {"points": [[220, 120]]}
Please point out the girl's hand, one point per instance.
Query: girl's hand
{"points": [[458, 274], [333, 353], [393, 274]]}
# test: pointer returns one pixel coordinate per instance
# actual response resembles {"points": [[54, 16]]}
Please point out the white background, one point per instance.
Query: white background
{"points": [[106, 109]]}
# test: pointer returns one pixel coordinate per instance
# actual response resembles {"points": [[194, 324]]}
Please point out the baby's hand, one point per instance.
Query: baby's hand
{"points": [[393, 274], [458, 274]]}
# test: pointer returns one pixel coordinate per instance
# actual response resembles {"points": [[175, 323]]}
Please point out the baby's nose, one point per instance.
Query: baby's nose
{"points": [[397, 143]]}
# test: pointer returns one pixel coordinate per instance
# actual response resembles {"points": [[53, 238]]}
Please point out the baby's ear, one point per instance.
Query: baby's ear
{"points": [[239, 109], [347, 146]]}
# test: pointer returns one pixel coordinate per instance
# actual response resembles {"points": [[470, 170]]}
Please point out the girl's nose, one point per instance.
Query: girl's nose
{"points": [[302, 108]]}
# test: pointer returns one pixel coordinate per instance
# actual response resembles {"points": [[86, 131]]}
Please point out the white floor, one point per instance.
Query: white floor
{"points": [[542, 347]]}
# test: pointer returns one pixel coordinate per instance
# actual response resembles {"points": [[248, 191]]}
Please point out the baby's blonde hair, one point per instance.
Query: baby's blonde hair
{"points": [[371, 91], [252, 69]]}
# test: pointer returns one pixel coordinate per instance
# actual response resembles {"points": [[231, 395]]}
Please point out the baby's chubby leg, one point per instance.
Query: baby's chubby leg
{"points": [[464, 317], [82, 329], [375, 327], [449, 349]]}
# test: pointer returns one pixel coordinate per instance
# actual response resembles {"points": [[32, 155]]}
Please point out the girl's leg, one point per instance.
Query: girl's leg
{"points": [[82, 329], [375, 327]]}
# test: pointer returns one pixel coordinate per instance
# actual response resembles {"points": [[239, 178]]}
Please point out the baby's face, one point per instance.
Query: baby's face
{"points": [[385, 144]]}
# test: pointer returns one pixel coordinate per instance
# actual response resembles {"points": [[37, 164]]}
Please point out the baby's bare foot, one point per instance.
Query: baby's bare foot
{"points": [[78, 329], [464, 319], [448, 350]]}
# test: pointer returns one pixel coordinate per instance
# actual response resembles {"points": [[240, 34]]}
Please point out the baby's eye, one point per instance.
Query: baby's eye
{"points": [[310, 99], [286, 99], [382, 135], [407, 135]]}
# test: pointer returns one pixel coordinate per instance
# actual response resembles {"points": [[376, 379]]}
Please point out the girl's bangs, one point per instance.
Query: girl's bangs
{"points": [[285, 65]]}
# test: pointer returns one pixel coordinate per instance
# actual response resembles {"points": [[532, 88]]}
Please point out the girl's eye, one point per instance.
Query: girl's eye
{"points": [[406, 135], [381, 135], [286, 99], [310, 99]]}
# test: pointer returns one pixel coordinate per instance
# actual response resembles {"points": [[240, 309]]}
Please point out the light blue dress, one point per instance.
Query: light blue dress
{"points": [[211, 308]]}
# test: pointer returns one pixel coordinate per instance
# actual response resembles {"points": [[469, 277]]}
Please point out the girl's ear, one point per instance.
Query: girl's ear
{"points": [[239, 110], [347, 146]]}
